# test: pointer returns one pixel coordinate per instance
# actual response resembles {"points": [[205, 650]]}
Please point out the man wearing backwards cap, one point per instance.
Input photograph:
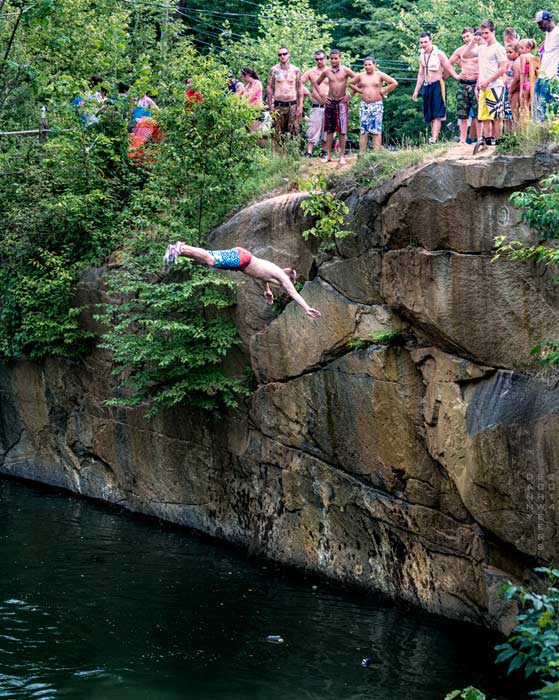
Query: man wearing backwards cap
{"points": [[549, 67]]}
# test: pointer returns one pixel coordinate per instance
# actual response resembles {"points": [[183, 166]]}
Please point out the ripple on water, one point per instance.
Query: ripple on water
{"points": [[108, 607]]}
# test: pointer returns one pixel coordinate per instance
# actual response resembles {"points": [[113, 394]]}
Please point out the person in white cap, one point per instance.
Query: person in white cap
{"points": [[543, 96]]}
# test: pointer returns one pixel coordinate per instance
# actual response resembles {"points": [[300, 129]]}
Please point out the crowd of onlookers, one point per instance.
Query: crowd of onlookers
{"points": [[498, 86]]}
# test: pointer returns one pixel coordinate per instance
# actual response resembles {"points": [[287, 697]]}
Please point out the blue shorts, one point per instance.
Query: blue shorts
{"points": [[232, 259], [370, 117], [434, 101]]}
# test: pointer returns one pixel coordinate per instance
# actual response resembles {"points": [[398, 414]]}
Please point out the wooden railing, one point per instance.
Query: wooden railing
{"points": [[42, 132]]}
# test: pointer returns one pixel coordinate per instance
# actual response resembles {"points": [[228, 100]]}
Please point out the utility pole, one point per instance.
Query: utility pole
{"points": [[43, 125], [165, 28]]}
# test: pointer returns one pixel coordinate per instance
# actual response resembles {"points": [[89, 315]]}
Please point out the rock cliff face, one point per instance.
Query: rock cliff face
{"points": [[427, 472]]}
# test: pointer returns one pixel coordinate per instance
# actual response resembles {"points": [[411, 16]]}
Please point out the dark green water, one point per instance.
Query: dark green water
{"points": [[98, 605]]}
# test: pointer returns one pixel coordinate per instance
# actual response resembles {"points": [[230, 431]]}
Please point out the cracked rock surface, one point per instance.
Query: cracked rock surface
{"points": [[427, 471]]}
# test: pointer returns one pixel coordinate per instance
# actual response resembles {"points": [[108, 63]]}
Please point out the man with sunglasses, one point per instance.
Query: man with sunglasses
{"points": [[285, 98], [319, 95]]}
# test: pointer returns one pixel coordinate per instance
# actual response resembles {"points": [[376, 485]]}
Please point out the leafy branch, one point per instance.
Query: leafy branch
{"points": [[329, 213]]}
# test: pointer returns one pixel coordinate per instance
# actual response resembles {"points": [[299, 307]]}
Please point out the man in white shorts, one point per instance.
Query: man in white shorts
{"points": [[315, 131]]}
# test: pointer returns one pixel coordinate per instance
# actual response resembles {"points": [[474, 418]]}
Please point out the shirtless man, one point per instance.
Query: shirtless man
{"points": [[319, 95], [433, 65], [370, 85], [336, 108], [244, 261], [285, 97], [466, 98], [491, 87]]}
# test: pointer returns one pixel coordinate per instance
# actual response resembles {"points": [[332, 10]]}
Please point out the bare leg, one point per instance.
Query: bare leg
{"points": [[498, 128], [199, 255], [435, 129], [363, 141], [463, 130], [329, 141], [378, 141], [478, 129], [342, 149]]}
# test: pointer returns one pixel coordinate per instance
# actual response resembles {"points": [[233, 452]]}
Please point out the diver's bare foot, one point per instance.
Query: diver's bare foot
{"points": [[313, 313], [343, 161], [326, 159]]}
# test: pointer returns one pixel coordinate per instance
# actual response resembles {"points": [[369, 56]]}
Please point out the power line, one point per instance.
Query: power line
{"points": [[285, 20], [393, 64]]}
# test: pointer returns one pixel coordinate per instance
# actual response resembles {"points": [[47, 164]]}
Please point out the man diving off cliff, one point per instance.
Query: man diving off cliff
{"points": [[243, 261]]}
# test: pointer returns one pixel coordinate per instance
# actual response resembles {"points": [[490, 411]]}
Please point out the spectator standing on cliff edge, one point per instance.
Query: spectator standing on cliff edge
{"points": [[370, 85], [319, 95], [433, 66], [491, 86], [543, 96], [336, 110], [285, 98], [466, 97]]}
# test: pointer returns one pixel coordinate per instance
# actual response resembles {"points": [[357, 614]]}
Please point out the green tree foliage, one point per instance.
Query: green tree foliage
{"points": [[166, 332], [168, 339], [280, 24], [533, 644], [61, 208], [469, 693], [445, 19], [328, 213], [74, 200]]}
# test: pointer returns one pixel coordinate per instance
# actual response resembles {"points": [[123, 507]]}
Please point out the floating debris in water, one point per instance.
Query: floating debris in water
{"points": [[367, 661], [274, 639]]}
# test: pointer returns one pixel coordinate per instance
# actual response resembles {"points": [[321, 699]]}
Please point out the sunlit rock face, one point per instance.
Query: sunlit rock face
{"points": [[426, 470]]}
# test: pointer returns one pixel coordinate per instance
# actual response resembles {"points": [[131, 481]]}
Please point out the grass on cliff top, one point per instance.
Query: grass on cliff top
{"points": [[531, 138], [285, 173], [377, 167]]}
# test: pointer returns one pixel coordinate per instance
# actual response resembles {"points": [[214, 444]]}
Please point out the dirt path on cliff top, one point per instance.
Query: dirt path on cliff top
{"points": [[454, 151], [310, 168]]}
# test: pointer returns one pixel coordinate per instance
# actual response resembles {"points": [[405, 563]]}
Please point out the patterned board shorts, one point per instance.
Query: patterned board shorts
{"points": [[370, 117], [465, 100], [232, 259], [491, 104]]}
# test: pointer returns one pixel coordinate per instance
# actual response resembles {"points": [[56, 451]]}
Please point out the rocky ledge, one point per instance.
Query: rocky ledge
{"points": [[426, 471]]}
